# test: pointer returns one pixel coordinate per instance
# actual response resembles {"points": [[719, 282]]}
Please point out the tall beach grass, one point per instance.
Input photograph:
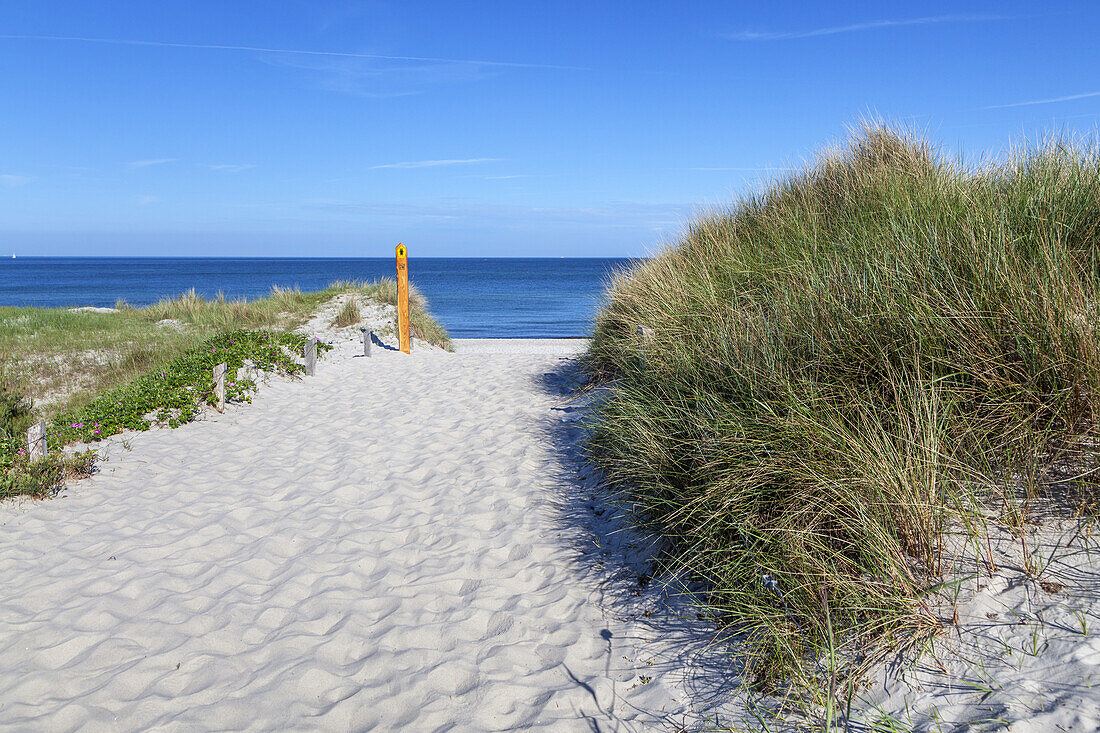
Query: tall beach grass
{"points": [[61, 358], [883, 348]]}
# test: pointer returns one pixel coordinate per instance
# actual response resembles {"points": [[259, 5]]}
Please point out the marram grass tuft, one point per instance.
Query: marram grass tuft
{"points": [[840, 369]]}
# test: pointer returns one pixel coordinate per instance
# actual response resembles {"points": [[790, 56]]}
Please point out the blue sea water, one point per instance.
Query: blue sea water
{"points": [[473, 298]]}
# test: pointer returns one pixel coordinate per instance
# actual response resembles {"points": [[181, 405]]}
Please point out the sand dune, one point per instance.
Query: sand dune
{"points": [[400, 542]]}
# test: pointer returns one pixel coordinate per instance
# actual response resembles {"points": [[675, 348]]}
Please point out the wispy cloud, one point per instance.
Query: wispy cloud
{"points": [[1051, 100], [859, 27], [293, 51], [10, 180], [149, 162], [498, 178], [382, 79], [227, 167], [434, 163]]}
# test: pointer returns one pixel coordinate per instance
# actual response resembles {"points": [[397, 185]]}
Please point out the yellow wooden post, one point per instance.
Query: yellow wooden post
{"points": [[403, 298]]}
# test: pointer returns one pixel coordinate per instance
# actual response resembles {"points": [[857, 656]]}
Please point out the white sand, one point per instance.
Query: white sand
{"points": [[398, 543], [413, 543], [1024, 654]]}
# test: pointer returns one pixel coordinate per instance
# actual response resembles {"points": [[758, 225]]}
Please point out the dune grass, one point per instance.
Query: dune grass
{"points": [[884, 347], [421, 323], [348, 315], [90, 375], [60, 359]]}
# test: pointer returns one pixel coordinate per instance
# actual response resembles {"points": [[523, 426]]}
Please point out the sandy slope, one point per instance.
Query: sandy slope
{"points": [[1019, 649], [398, 542]]}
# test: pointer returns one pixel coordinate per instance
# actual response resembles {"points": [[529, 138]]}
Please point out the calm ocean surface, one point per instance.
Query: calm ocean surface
{"points": [[473, 298]]}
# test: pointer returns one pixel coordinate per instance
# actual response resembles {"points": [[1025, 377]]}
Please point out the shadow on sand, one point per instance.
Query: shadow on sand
{"points": [[621, 563]]}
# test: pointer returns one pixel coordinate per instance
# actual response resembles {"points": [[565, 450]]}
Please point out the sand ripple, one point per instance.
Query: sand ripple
{"points": [[373, 547]]}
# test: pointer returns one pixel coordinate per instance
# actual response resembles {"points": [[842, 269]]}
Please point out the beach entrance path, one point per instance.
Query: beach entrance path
{"points": [[387, 545]]}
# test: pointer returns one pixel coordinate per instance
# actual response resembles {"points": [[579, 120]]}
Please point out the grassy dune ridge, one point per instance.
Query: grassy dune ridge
{"points": [[882, 349], [62, 358], [91, 375]]}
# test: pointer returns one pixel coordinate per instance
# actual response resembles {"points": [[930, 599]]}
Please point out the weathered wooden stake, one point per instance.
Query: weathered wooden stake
{"points": [[311, 356], [219, 386], [368, 336], [36, 442], [403, 298]]}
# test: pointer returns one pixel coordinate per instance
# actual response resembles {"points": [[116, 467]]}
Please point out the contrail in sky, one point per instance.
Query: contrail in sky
{"points": [[434, 163], [1052, 100], [260, 49], [857, 27]]}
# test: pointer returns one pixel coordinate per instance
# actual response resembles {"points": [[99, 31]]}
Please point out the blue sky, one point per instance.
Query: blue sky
{"points": [[311, 128]]}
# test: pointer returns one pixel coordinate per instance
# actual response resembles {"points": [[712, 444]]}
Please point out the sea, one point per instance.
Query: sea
{"points": [[471, 297]]}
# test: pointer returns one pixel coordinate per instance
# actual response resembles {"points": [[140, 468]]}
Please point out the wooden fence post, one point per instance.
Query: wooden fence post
{"points": [[311, 356], [403, 298], [36, 442], [219, 386], [368, 336]]}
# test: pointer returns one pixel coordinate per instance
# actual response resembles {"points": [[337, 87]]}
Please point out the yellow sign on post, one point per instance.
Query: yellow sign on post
{"points": [[403, 298]]}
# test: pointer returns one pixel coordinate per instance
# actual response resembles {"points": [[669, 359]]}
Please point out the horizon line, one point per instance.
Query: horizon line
{"points": [[323, 257]]}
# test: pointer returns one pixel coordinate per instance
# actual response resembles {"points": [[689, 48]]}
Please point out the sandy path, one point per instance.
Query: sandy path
{"points": [[381, 545]]}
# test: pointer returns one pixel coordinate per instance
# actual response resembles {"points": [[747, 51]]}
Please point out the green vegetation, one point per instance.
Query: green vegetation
{"points": [[886, 348], [421, 323], [348, 315], [173, 394], [16, 412], [18, 474], [96, 374], [176, 393], [63, 358]]}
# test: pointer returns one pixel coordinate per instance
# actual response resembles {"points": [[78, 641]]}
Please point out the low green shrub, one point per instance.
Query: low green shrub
{"points": [[175, 393], [64, 358], [20, 476]]}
